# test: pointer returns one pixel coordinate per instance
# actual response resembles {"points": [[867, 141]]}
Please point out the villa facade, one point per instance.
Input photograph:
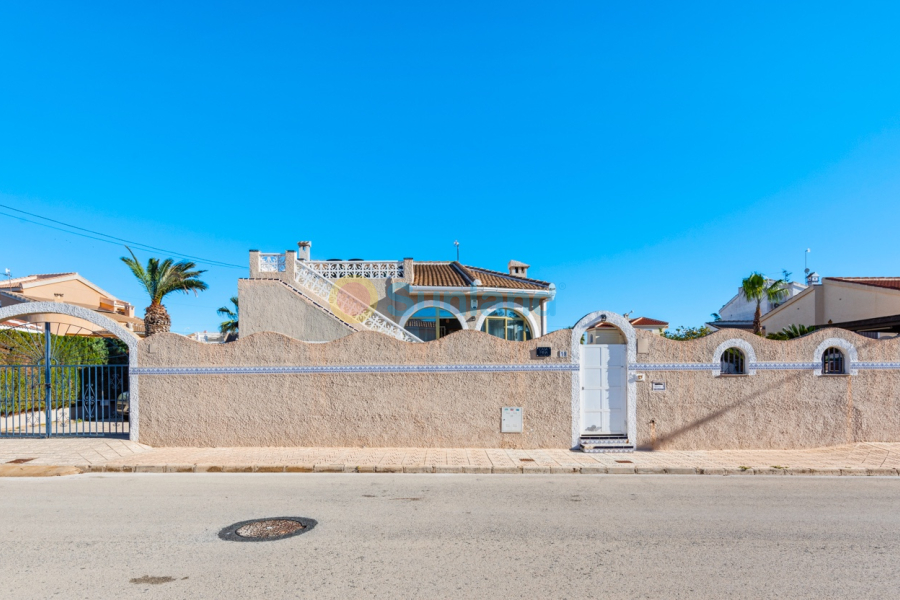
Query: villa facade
{"points": [[416, 301]]}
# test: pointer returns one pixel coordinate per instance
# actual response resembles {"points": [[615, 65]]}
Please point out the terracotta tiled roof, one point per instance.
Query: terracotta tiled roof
{"points": [[454, 274], [497, 279], [11, 294], [438, 274], [637, 321], [18, 281], [891, 283], [648, 321]]}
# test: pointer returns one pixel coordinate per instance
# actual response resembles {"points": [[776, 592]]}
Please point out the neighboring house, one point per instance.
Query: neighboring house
{"points": [[315, 300], [208, 337], [860, 303], [738, 312], [68, 288], [604, 333]]}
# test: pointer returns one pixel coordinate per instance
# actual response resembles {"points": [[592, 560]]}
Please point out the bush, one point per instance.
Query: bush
{"points": [[687, 333]]}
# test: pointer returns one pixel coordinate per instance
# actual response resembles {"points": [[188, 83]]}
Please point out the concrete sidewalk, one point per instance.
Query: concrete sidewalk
{"points": [[114, 455]]}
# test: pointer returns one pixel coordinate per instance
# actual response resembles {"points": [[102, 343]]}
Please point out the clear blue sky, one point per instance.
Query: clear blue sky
{"points": [[643, 156]]}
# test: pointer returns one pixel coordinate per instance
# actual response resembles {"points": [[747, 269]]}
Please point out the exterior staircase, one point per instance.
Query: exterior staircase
{"points": [[329, 297], [606, 443]]}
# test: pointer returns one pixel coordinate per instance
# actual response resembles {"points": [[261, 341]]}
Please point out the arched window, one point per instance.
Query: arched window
{"points": [[833, 362], [432, 323], [508, 325], [732, 362]]}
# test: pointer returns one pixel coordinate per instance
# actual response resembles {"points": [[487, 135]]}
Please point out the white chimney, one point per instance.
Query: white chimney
{"points": [[518, 268], [812, 279], [305, 248]]}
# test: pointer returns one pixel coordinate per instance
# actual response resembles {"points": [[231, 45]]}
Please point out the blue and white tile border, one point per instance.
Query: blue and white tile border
{"points": [[855, 366], [339, 369]]}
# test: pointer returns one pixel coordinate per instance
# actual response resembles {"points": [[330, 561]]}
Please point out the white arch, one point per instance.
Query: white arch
{"points": [[95, 318], [517, 308], [845, 346], [742, 345], [585, 323], [430, 304]]}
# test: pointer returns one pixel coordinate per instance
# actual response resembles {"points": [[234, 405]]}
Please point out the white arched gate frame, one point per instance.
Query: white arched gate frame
{"points": [[609, 367], [59, 308]]}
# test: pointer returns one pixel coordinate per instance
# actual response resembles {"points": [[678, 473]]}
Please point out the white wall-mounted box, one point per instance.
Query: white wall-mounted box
{"points": [[511, 419]]}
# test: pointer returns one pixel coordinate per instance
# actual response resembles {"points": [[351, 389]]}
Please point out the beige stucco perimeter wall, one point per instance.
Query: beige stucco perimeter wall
{"points": [[771, 409], [269, 305], [460, 409]]}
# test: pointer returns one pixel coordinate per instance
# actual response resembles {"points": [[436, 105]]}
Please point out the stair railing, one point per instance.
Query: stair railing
{"points": [[350, 307]]}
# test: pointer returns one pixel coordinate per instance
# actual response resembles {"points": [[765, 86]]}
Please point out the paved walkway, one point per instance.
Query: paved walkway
{"points": [[116, 455]]}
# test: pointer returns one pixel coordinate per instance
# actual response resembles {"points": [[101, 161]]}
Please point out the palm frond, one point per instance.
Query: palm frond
{"points": [[230, 325], [161, 278]]}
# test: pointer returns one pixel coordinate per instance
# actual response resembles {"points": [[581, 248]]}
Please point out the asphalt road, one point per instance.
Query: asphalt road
{"points": [[452, 536]]}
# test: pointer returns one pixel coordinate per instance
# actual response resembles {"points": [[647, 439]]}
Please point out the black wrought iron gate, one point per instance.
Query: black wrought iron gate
{"points": [[51, 398]]}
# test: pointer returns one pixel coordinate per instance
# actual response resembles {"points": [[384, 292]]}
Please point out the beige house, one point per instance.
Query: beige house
{"points": [[68, 288], [837, 300], [604, 333], [417, 301]]}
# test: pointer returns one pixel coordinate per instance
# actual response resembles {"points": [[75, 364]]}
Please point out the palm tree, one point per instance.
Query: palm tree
{"points": [[229, 326], [756, 287], [161, 278]]}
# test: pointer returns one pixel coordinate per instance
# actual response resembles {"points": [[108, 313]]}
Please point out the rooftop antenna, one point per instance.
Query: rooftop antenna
{"points": [[805, 255], [456, 243]]}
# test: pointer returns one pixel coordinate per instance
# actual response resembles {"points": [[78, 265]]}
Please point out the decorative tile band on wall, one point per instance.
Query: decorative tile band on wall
{"points": [[762, 366], [875, 365], [555, 367], [673, 366], [785, 366]]}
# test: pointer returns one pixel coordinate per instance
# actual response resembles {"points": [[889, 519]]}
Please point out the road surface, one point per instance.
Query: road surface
{"points": [[452, 536]]}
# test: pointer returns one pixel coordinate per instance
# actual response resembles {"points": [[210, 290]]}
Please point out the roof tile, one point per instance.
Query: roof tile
{"points": [[891, 283], [454, 274]]}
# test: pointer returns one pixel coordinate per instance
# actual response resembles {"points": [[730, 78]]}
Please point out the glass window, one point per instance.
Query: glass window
{"points": [[732, 362], [833, 362], [508, 325], [432, 323]]}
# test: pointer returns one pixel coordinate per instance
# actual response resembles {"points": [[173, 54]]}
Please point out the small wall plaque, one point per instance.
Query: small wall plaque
{"points": [[564, 354], [511, 419], [543, 351], [658, 386]]}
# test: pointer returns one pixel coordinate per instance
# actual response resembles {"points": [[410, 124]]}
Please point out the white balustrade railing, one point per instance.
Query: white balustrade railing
{"points": [[271, 263], [370, 269], [353, 309]]}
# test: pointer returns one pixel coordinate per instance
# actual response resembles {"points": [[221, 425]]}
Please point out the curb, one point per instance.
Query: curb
{"points": [[468, 469]]}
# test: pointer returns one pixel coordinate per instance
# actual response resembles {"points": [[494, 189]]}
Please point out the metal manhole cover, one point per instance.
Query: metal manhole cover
{"points": [[266, 530]]}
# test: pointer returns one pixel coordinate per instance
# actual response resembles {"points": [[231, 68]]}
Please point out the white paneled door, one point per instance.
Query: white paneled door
{"points": [[603, 392]]}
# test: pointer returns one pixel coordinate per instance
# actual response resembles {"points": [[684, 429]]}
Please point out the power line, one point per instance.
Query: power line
{"points": [[138, 245]]}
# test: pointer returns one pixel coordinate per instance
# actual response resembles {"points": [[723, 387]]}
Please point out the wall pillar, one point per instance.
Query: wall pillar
{"points": [[290, 265], [254, 264]]}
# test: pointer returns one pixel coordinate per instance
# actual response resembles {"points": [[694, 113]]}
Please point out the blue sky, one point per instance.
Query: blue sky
{"points": [[643, 156]]}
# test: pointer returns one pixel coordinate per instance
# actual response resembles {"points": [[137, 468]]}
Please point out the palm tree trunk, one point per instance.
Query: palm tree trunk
{"points": [[757, 319], [156, 320]]}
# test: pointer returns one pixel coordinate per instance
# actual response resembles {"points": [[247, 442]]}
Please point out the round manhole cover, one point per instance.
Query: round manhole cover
{"points": [[266, 530]]}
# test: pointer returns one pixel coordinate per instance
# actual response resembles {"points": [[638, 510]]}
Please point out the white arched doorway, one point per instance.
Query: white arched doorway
{"points": [[47, 309], [604, 396]]}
